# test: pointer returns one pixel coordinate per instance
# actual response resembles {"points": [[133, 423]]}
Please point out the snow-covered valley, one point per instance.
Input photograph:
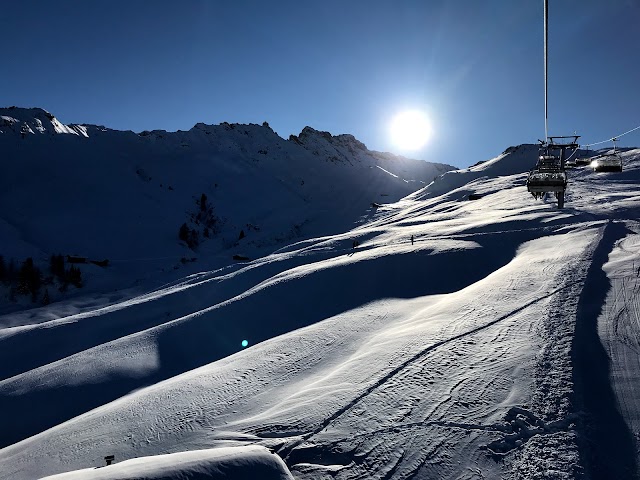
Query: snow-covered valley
{"points": [[460, 339]]}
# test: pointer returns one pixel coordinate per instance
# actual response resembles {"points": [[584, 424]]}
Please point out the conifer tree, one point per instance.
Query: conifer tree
{"points": [[56, 265], [45, 298], [29, 279], [194, 239], [11, 271], [183, 234], [24, 276], [74, 276]]}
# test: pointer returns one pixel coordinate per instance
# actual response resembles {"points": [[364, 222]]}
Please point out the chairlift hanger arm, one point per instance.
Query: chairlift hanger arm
{"points": [[553, 144], [574, 137], [562, 146]]}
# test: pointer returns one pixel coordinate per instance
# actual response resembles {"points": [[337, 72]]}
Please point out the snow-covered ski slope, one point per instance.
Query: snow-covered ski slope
{"points": [[502, 343]]}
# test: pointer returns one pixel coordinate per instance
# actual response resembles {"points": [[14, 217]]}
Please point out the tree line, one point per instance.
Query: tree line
{"points": [[26, 278]]}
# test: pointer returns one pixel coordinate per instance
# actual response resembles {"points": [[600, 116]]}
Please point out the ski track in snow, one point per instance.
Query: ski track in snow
{"points": [[427, 369], [618, 327]]}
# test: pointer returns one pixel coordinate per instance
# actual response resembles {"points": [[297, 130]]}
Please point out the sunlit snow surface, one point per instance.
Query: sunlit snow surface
{"points": [[447, 358], [231, 463]]}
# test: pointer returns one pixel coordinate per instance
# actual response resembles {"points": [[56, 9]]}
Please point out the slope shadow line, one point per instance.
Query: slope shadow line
{"points": [[286, 450], [66, 336], [215, 332], [609, 448]]}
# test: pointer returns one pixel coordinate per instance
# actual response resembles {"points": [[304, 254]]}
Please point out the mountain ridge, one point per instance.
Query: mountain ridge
{"points": [[92, 191]]}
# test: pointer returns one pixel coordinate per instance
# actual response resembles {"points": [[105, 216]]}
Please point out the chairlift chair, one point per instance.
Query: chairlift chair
{"points": [[549, 174], [584, 157], [610, 162]]}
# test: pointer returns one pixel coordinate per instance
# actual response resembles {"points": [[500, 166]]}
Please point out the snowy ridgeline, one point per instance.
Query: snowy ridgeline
{"points": [[135, 199]]}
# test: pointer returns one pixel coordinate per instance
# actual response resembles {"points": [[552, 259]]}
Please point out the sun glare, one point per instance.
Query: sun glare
{"points": [[410, 130]]}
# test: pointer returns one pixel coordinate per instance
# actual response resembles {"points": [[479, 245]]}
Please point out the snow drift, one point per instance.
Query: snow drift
{"points": [[237, 463]]}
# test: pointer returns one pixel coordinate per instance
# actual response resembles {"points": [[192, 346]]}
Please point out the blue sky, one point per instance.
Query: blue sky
{"points": [[476, 67]]}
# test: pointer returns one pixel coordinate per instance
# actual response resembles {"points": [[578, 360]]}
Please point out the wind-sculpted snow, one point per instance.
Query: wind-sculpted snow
{"points": [[609, 373], [512, 161], [444, 345], [232, 463]]}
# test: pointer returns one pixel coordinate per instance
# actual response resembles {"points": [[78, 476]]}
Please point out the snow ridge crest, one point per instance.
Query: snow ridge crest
{"points": [[32, 121]]}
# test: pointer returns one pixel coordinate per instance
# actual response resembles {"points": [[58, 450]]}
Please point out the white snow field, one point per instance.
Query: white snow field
{"points": [[502, 342]]}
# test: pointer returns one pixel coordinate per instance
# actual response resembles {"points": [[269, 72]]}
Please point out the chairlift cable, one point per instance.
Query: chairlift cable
{"points": [[611, 139], [549, 174], [546, 67], [546, 85], [575, 150]]}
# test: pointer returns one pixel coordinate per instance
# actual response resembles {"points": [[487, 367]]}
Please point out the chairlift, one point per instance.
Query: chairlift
{"points": [[549, 175], [584, 157], [609, 162]]}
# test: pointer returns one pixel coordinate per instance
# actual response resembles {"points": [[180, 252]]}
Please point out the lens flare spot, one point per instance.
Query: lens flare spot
{"points": [[244, 343]]}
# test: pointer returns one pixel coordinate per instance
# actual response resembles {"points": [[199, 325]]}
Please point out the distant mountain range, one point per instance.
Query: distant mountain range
{"points": [[96, 192]]}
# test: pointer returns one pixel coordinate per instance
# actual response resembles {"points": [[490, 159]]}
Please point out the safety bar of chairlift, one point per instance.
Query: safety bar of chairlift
{"points": [[546, 188], [536, 181]]}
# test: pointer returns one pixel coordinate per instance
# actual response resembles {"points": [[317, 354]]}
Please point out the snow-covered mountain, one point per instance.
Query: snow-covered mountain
{"points": [[103, 193], [462, 339]]}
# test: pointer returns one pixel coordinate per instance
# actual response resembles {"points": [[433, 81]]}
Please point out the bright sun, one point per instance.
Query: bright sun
{"points": [[410, 130]]}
